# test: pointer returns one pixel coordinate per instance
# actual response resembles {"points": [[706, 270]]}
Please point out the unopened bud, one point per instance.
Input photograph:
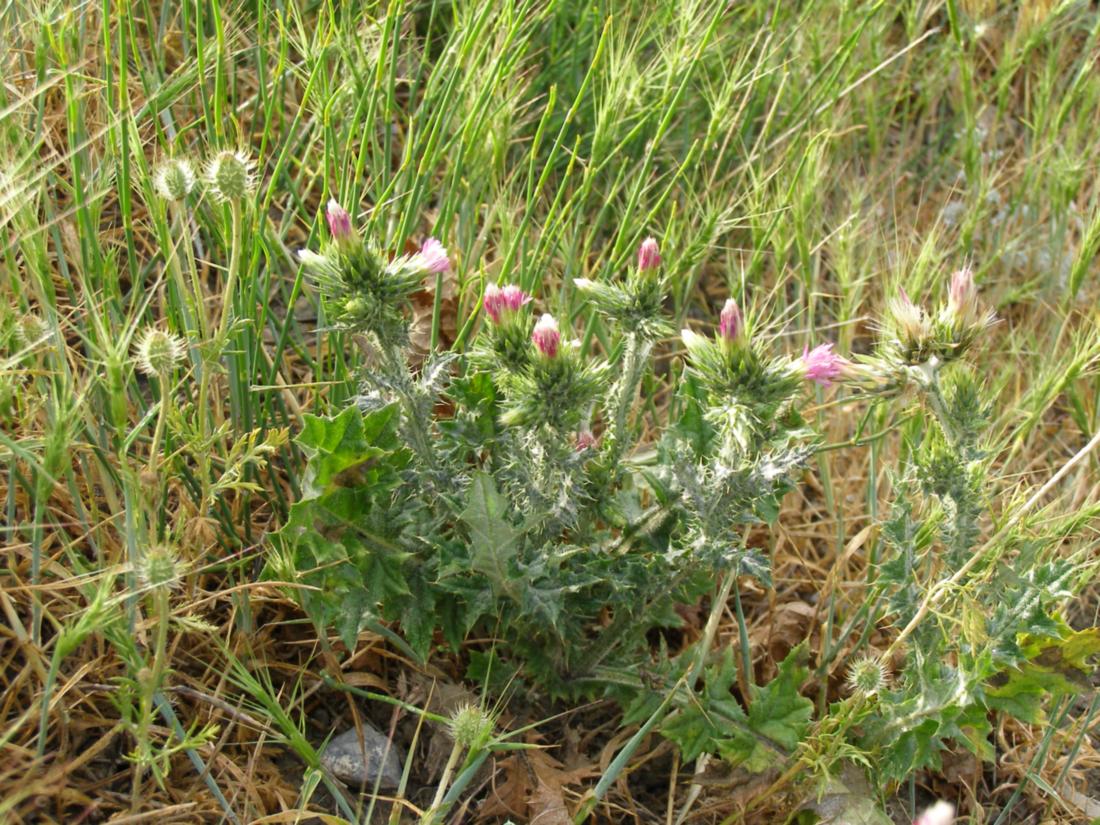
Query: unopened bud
{"points": [[649, 256], [730, 322], [339, 222], [546, 336], [159, 567], [471, 726]]}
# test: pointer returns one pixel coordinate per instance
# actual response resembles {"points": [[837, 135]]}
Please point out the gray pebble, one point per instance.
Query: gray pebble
{"points": [[358, 764]]}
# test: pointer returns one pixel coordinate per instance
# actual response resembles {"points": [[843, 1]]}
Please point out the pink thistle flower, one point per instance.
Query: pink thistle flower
{"points": [[339, 221], [586, 441], [546, 336], [942, 813], [730, 322], [501, 303], [649, 256], [514, 298], [433, 256], [822, 365]]}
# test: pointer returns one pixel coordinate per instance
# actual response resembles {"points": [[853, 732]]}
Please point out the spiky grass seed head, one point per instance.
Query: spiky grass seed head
{"points": [[157, 353], [174, 179], [229, 176], [867, 676], [471, 726], [159, 568], [30, 329]]}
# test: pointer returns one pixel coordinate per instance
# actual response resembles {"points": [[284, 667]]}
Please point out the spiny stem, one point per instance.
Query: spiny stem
{"points": [[937, 593]]}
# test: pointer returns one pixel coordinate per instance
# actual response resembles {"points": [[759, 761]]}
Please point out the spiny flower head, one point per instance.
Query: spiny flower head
{"points": [[546, 336], [942, 813], [822, 365], [649, 255], [229, 175], [432, 257], [157, 352], [174, 179], [502, 303]]}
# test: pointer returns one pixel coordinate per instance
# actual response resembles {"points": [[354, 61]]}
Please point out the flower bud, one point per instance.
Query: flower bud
{"points": [[942, 813], [433, 257], [962, 300], [649, 256], [174, 179], [546, 336], [730, 323], [158, 353], [585, 441], [339, 222], [229, 176], [822, 365]]}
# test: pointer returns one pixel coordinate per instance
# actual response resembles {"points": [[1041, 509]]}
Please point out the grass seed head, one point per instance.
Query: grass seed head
{"points": [[159, 568], [867, 676], [174, 179], [229, 175], [471, 726], [158, 353]]}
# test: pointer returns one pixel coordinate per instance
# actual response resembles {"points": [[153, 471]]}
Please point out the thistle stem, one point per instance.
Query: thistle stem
{"points": [[634, 360]]}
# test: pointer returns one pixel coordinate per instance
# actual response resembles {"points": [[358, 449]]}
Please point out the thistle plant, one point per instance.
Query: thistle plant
{"points": [[541, 522]]}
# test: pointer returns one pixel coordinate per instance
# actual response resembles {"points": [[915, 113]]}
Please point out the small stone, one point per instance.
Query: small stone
{"points": [[360, 763]]}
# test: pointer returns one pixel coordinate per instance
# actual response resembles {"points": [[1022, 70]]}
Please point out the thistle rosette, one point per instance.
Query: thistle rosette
{"points": [[557, 386], [363, 290], [638, 302]]}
